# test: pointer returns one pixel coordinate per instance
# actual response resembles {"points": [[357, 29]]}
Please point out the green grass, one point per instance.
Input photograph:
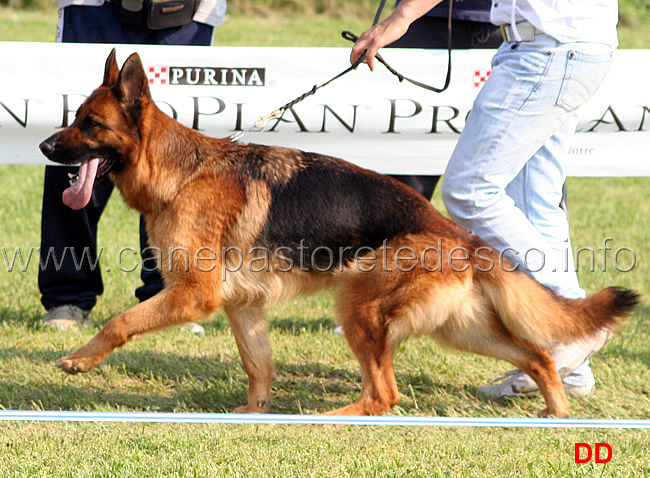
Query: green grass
{"points": [[173, 371], [274, 28], [119, 450], [27, 25]]}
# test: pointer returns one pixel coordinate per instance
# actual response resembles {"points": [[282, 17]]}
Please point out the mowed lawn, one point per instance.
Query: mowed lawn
{"points": [[174, 371]]}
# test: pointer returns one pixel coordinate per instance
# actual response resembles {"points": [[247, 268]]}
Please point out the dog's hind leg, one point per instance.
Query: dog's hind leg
{"points": [[541, 368], [171, 306], [536, 361], [249, 325], [367, 332]]}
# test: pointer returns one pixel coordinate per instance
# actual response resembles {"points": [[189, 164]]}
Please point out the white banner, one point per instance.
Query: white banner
{"points": [[370, 119]]}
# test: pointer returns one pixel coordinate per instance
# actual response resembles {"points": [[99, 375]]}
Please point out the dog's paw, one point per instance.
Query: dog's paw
{"points": [[353, 410], [74, 364], [546, 413], [364, 407], [262, 406]]}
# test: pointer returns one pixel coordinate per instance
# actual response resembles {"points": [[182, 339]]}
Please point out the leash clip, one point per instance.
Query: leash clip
{"points": [[237, 136], [261, 122]]}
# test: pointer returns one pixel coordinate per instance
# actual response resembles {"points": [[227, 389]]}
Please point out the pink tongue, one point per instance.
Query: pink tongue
{"points": [[78, 194]]}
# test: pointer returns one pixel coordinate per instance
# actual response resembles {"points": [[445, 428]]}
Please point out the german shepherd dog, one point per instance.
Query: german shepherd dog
{"points": [[397, 266]]}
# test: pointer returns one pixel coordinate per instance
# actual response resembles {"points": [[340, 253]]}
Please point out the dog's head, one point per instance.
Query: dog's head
{"points": [[105, 134]]}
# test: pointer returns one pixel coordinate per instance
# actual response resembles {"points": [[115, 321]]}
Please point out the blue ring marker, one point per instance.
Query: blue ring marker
{"points": [[154, 417]]}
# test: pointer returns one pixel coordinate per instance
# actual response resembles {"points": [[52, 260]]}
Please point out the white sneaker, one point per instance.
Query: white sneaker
{"points": [[517, 384], [66, 317], [514, 383]]}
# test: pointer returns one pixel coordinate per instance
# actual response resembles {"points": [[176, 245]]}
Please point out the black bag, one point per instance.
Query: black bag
{"points": [[155, 14]]}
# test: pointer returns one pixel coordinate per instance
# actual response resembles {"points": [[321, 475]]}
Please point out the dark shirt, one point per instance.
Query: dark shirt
{"points": [[469, 10]]}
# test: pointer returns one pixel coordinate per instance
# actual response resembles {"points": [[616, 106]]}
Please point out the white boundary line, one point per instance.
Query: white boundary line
{"points": [[238, 418]]}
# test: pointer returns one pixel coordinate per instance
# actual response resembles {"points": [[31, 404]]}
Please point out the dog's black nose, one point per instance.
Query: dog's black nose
{"points": [[46, 147]]}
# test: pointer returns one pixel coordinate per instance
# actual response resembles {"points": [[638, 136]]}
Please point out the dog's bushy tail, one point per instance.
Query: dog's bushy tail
{"points": [[534, 313]]}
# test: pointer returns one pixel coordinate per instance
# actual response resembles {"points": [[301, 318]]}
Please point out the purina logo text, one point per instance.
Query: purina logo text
{"points": [[209, 76]]}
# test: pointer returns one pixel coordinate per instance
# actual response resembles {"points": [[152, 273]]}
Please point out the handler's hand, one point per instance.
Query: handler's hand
{"points": [[375, 38], [391, 29]]}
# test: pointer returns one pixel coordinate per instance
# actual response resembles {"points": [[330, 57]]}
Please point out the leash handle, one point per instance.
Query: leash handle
{"points": [[347, 35]]}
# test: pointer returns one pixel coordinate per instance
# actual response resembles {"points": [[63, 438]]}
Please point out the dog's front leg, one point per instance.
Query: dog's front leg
{"points": [[249, 325], [171, 306]]}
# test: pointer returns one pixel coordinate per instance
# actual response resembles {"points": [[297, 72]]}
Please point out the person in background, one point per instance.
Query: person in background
{"points": [[69, 292], [505, 177]]}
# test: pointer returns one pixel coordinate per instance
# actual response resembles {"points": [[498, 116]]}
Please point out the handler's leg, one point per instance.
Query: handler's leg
{"points": [[505, 177], [522, 115]]}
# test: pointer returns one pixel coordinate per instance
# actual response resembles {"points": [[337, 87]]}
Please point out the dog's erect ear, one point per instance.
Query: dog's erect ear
{"points": [[132, 83], [111, 70]]}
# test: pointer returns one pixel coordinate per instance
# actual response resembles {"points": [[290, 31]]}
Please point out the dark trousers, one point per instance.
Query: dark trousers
{"points": [[431, 32], [70, 236]]}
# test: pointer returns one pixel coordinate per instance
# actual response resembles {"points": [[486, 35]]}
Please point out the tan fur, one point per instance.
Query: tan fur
{"points": [[200, 199]]}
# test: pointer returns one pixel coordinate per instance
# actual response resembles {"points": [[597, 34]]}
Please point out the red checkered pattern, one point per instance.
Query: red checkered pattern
{"points": [[158, 75], [480, 77]]}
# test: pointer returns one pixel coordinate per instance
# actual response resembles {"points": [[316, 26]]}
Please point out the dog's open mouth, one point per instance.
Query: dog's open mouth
{"points": [[77, 196]]}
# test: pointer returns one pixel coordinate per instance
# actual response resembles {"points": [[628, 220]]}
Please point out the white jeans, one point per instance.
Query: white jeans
{"points": [[504, 180]]}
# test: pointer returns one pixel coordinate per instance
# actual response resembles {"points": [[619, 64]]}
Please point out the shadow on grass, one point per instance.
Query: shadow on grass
{"points": [[132, 380], [146, 380], [167, 382], [71, 396]]}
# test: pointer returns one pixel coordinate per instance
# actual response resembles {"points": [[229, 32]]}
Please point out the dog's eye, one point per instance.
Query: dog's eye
{"points": [[91, 123]]}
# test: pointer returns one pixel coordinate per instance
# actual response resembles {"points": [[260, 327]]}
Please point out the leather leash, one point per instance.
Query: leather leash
{"points": [[262, 120]]}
